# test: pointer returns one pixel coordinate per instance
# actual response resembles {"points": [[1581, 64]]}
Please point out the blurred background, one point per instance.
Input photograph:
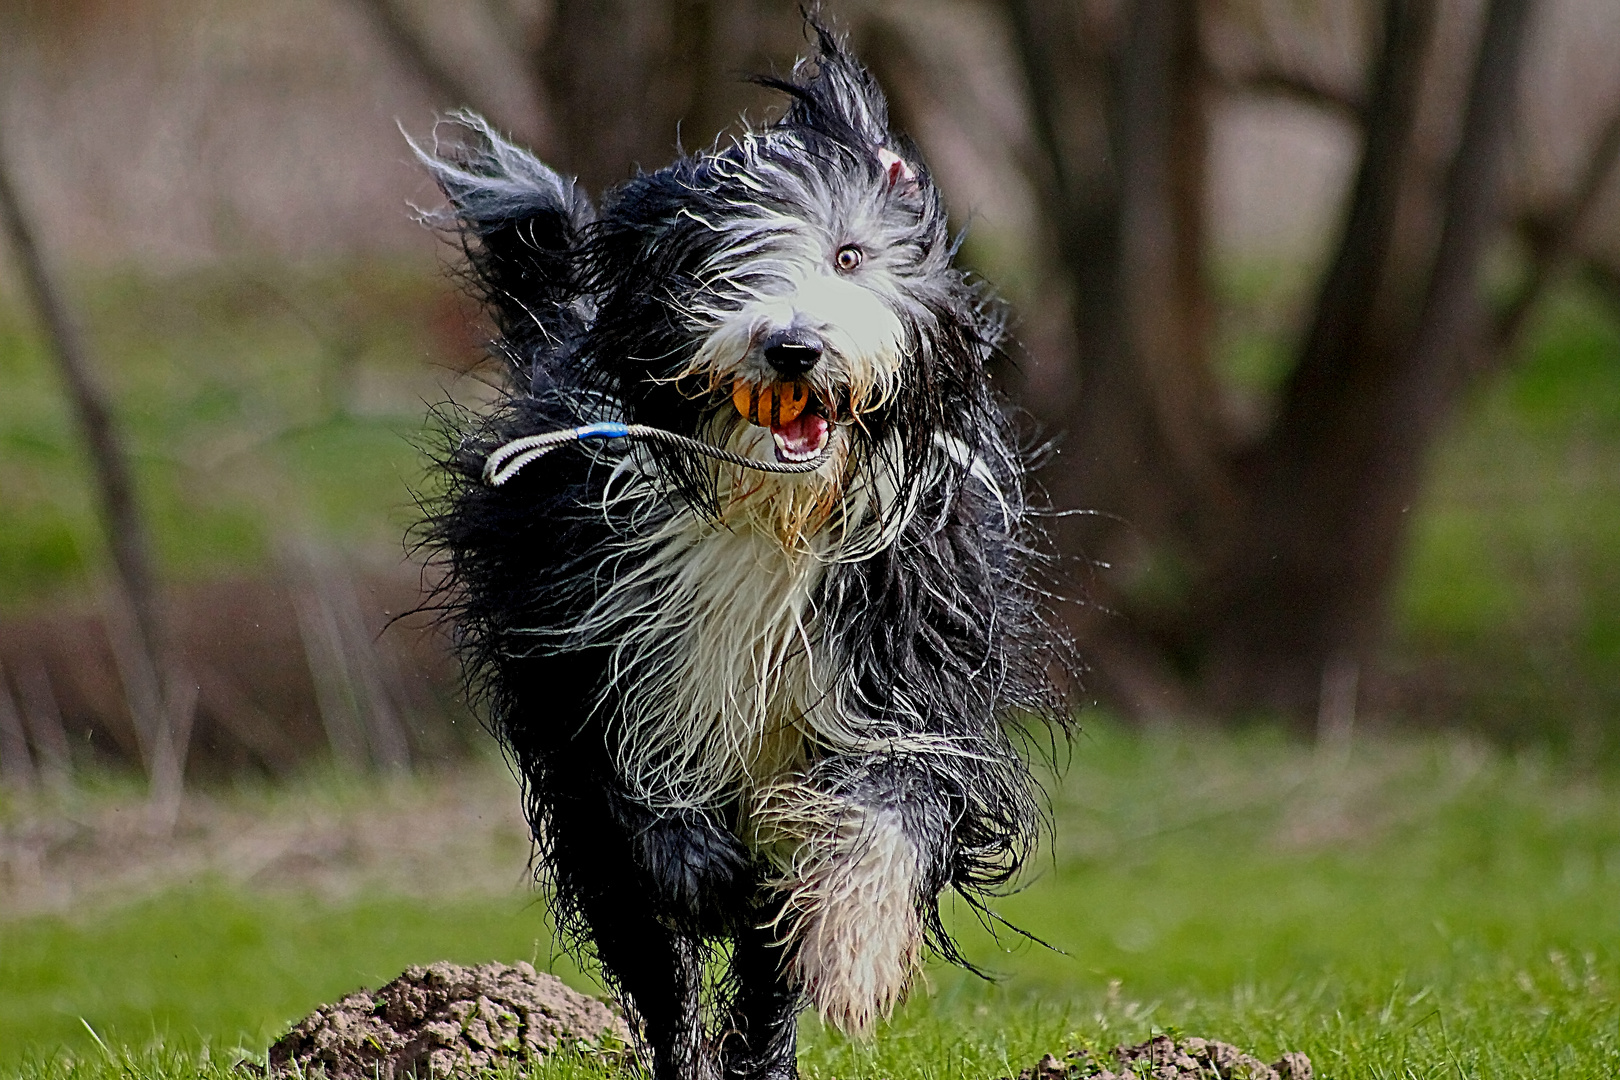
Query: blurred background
{"points": [[1319, 298]]}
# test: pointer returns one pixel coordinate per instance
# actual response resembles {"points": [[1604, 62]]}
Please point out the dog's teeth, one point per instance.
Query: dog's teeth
{"points": [[786, 452]]}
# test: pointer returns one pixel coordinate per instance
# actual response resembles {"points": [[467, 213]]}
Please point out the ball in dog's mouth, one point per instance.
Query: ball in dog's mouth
{"points": [[798, 430]]}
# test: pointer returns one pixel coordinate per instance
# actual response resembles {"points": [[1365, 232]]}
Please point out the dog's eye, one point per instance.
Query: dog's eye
{"points": [[849, 257]]}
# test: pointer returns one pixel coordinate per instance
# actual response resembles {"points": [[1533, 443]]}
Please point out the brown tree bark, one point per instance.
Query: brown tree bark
{"points": [[153, 684], [1162, 145], [631, 80], [1120, 116], [1308, 579], [1554, 240], [1070, 70], [611, 68]]}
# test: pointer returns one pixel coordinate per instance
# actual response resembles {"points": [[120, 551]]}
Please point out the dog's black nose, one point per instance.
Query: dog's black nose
{"points": [[792, 352]]}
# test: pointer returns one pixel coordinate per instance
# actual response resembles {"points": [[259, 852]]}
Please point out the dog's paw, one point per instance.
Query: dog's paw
{"points": [[695, 867]]}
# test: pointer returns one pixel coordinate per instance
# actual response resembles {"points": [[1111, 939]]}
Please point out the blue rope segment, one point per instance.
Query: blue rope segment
{"points": [[605, 429], [507, 460]]}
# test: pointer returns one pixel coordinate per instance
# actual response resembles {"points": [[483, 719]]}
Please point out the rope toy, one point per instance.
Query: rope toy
{"points": [[508, 460]]}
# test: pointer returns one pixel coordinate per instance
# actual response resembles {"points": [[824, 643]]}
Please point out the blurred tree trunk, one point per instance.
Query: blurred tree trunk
{"points": [[1269, 642], [1069, 68], [160, 697], [621, 78], [1276, 559], [1374, 386], [1375, 383], [648, 70], [1119, 111]]}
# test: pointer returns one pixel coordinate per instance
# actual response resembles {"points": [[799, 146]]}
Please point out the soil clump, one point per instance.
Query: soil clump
{"points": [[1164, 1058], [445, 1020]]}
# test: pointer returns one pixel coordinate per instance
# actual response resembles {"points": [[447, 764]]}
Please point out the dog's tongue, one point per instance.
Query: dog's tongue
{"points": [[801, 438]]}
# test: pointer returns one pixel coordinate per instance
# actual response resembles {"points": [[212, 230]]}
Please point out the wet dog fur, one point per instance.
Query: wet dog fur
{"points": [[759, 719]]}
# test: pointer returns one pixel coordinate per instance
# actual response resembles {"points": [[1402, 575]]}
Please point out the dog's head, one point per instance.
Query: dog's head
{"points": [[788, 296]]}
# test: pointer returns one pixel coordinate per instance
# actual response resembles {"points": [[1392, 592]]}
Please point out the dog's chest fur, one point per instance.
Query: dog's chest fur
{"points": [[718, 679]]}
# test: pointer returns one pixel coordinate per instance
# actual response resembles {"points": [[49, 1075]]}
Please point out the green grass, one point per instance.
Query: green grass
{"points": [[216, 963], [1509, 608], [257, 405], [1418, 908]]}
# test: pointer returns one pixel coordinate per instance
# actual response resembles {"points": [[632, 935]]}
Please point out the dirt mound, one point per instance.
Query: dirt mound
{"points": [[1164, 1058], [447, 1021]]}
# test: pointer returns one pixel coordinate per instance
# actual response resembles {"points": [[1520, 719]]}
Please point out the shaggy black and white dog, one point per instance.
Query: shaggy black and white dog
{"points": [[758, 715]]}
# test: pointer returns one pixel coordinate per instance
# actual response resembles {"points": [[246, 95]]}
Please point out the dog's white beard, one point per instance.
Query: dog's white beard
{"points": [[715, 670]]}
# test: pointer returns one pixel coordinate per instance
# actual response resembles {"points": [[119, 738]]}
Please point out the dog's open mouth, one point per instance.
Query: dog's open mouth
{"points": [[802, 438], [798, 428]]}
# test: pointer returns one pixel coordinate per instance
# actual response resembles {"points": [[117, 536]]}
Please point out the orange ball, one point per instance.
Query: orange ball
{"points": [[770, 404]]}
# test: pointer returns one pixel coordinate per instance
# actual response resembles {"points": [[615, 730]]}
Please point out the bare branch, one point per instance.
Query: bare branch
{"points": [[1066, 76], [911, 73], [162, 726], [1473, 199], [124, 529], [407, 43], [1349, 292], [1554, 242], [1295, 86]]}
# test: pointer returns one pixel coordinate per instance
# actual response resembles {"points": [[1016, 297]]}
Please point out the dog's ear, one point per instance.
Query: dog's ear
{"points": [[844, 87], [834, 95], [519, 220]]}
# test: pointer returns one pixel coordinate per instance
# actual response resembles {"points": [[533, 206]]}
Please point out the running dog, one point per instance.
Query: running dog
{"points": [[751, 627]]}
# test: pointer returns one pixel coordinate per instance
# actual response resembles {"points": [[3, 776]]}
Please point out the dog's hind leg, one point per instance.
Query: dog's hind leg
{"points": [[656, 967], [760, 1041], [660, 972]]}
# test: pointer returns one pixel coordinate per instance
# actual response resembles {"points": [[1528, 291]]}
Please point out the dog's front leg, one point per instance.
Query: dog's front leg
{"points": [[859, 860], [699, 875], [661, 973]]}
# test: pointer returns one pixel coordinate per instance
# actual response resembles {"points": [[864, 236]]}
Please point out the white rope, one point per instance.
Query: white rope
{"points": [[508, 460]]}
